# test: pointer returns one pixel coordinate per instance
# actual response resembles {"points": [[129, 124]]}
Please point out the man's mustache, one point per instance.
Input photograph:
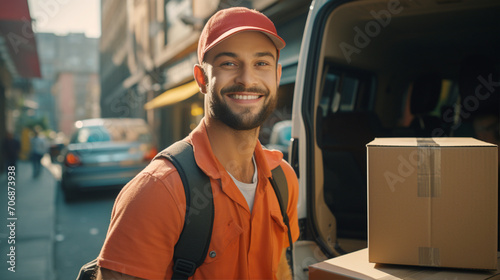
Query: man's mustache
{"points": [[240, 88]]}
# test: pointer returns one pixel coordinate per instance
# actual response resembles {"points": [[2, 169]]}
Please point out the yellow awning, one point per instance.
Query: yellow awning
{"points": [[173, 96]]}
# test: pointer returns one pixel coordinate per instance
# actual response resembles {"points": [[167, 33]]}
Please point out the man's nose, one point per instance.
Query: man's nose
{"points": [[246, 76]]}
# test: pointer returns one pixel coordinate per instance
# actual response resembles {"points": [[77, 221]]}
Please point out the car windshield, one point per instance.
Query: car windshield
{"points": [[112, 132]]}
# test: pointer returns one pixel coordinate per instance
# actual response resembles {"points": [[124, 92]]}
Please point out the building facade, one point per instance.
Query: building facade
{"points": [[158, 42], [114, 53], [69, 87], [19, 64], [77, 98]]}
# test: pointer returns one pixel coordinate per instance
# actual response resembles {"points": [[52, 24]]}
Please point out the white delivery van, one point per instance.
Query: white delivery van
{"points": [[382, 68]]}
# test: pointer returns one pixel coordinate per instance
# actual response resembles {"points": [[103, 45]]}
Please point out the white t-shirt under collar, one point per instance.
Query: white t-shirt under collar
{"points": [[248, 189]]}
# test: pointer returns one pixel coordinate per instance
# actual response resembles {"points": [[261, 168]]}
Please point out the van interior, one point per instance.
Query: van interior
{"points": [[421, 68]]}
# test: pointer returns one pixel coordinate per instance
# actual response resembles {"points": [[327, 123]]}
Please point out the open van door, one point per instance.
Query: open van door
{"points": [[381, 68]]}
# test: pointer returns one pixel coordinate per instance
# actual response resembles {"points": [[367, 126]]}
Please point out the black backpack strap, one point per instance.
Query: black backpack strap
{"points": [[280, 180], [192, 247], [280, 186], [88, 271]]}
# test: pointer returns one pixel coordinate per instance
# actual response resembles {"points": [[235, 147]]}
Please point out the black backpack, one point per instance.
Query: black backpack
{"points": [[192, 246]]}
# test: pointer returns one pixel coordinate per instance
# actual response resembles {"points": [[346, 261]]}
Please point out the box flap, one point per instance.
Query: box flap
{"points": [[440, 141]]}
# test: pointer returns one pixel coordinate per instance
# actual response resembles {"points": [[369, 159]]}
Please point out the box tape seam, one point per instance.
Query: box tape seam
{"points": [[429, 186]]}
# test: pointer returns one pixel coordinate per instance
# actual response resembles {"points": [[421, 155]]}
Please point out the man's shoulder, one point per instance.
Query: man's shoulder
{"points": [[157, 180], [291, 177], [287, 168], [159, 175], [275, 158], [161, 169]]}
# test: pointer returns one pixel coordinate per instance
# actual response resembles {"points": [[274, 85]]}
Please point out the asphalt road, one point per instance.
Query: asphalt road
{"points": [[80, 230]]}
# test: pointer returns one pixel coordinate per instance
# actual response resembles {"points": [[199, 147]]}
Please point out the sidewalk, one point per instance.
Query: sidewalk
{"points": [[33, 230]]}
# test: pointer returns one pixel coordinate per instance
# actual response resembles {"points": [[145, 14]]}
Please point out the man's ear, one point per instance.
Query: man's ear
{"points": [[200, 78], [278, 73]]}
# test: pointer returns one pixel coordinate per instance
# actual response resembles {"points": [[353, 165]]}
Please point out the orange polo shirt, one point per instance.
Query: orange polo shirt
{"points": [[148, 217]]}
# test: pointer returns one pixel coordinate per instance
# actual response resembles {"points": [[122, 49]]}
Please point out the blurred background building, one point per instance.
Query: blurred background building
{"points": [[19, 63], [47, 81], [148, 49], [74, 59], [67, 90]]}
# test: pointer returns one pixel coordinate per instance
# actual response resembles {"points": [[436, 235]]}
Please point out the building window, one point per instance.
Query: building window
{"points": [[175, 28]]}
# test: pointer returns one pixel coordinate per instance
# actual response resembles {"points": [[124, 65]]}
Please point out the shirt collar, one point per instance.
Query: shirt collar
{"points": [[206, 160]]}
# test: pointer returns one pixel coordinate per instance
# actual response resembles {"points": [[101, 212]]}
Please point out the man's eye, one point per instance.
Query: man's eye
{"points": [[228, 64], [262, 63]]}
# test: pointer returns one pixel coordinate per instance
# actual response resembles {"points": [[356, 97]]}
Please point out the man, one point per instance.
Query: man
{"points": [[38, 150], [239, 74]]}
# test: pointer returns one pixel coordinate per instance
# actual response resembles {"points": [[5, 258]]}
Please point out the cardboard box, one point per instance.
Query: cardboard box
{"points": [[433, 202], [356, 266]]}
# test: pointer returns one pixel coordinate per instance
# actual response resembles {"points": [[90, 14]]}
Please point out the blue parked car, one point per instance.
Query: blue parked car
{"points": [[105, 153]]}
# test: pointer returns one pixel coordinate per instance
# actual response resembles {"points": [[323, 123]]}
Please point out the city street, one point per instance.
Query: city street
{"points": [[80, 230], [27, 231], [52, 239]]}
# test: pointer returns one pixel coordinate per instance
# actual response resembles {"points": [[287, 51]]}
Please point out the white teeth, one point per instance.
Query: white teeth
{"points": [[245, 97]]}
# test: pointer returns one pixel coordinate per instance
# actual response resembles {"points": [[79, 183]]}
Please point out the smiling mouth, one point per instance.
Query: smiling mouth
{"points": [[244, 96]]}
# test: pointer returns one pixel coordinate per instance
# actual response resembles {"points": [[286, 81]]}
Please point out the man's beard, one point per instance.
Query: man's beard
{"points": [[220, 110]]}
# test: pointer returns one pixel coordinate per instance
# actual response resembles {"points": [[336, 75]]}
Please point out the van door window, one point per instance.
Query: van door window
{"points": [[349, 92], [343, 91], [345, 125]]}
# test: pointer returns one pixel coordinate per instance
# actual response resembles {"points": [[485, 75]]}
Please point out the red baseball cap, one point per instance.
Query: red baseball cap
{"points": [[230, 21]]}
